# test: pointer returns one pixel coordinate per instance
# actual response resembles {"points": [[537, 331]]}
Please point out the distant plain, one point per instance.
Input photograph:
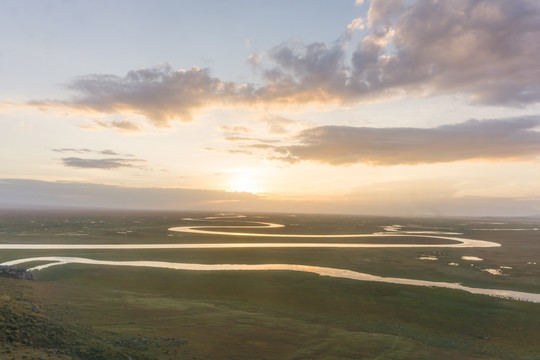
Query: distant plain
{"points": [[284, 314]]}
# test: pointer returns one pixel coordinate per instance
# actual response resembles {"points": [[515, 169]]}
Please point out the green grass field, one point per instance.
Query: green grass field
{"points": [[105, 312]]}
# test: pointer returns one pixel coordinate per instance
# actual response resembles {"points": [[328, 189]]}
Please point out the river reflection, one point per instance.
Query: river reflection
{"points": [[322, 271], [395, 231]]}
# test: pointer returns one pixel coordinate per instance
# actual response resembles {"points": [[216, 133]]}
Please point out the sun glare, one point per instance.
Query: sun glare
{"points": [[244, 181]]}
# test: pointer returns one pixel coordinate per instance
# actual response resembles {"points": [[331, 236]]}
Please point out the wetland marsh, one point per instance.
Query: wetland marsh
{"points": [[139, 291]]}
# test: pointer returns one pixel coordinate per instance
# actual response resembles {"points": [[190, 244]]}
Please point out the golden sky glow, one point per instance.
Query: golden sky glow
{"points": [[401, 107]]}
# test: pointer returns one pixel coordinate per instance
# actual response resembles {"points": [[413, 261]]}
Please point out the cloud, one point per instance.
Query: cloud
{"points": [[356, 24], [418, 190], [108, 163], [278, 124], [35, 193], [79, 151], [260, 146], [247, 138], [119, 125], [237, 151], [109, 152], [433, 197], [256, 58], [441, 199], [382, 12], [492, 140], [83, 151], [305, 73], [161, 94], [236, 129], [485, 51]]}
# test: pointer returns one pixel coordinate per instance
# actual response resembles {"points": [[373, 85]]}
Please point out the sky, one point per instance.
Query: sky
{"points": [[381, 107]]}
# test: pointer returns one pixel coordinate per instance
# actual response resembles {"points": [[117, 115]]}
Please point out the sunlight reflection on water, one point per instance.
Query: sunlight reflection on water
{"points": [[322, 271], [393, 231]]}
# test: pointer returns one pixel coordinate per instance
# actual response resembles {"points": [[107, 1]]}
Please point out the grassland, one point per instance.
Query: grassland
{"points": [[118, 313]]}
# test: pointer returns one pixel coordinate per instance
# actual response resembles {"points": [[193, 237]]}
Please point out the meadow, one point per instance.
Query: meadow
{"points": [[116, 312]]}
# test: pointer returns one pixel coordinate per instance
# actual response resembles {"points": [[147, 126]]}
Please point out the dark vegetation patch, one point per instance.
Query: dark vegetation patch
{"points": [[15, 272], [29, 330]]}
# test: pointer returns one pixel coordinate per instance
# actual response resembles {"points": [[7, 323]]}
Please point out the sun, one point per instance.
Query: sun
{"points": [[244, 181]]}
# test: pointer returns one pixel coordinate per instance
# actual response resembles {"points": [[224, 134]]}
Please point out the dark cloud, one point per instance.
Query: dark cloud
{"points": [[493, 140], [108, 163], [484, 50]]}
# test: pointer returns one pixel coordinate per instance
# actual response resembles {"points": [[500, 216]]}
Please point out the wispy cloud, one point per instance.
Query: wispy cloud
{"points": [[255, 59], [486, 51], [118, 125], [235, 129], [492, 140], [278, 124], [107, 163], [246, 138], [110, 152], [79, 151], [82, 151], [238, 151]]}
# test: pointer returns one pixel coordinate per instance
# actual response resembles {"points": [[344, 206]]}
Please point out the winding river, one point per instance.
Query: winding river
{"points": [[322, 271], [206, 229]]}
